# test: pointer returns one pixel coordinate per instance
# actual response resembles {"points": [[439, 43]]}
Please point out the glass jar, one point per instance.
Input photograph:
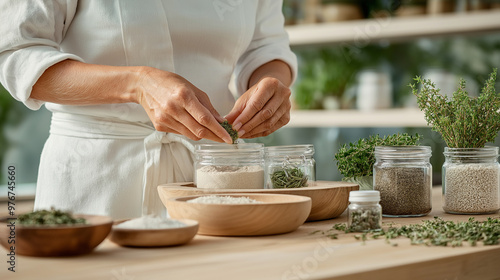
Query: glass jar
{"points": [[364, 211], [471, 180], [224, 166], [290, 166], [403, 175]]}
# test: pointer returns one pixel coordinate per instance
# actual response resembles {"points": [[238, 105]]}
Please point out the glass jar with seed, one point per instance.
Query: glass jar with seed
{"points": [[364, 211], [471, 180], [291, 166], [403, 175]]}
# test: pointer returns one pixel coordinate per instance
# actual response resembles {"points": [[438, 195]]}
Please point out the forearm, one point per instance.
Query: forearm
{"points": [[275, 69], [75, 83]]}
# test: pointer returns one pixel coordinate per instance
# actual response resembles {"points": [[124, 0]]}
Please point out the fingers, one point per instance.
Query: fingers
{"points": [[175, 105], [265, 111]]}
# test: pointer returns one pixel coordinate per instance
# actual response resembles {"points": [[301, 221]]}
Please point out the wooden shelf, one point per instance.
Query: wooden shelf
{"points": [[409, 117], [361, 32]]}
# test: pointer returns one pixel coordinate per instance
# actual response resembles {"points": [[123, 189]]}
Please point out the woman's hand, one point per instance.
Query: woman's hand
{"points": [[262, 109], [175, 105]]}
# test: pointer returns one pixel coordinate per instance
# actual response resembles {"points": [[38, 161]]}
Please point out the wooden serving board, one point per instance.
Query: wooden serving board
{"points": [[329, 198]]}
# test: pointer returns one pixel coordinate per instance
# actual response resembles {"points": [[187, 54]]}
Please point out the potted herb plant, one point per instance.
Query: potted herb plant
{"points": [[355, 161], [471, 170]]}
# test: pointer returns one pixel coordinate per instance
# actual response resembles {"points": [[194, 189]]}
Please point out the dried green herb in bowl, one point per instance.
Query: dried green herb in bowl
{"points": [[50, 217]]}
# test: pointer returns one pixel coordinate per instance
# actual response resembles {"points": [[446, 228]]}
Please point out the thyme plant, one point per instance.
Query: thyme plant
{"points": [[357, 159], [463, 121]]}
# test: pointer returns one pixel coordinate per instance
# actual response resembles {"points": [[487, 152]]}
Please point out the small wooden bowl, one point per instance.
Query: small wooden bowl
{"points": [[154, 237], [54, 241], [329, 199], [277, 214]]}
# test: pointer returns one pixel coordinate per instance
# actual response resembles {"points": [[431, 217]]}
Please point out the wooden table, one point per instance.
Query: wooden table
{"points": [[297, 255]]}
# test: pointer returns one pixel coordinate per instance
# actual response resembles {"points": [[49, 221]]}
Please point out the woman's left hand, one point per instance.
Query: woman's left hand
{"points": [[262, 109]]}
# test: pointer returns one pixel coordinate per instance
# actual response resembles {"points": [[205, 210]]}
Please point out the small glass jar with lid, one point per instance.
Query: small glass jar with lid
{"points": [[471, 180], [290, 166], [226, 166], [364, 211], [403, 175]]}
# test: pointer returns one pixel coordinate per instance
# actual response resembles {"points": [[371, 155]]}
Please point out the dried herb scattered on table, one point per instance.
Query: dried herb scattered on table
{"points": [[288, 177], [229, 128], [49, 217], [435, 232]]}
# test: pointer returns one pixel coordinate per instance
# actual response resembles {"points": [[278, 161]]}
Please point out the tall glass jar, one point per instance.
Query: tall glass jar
{"points": [[223, 166], [403, 175], [290, 166], [364, 211], [471, 180]]}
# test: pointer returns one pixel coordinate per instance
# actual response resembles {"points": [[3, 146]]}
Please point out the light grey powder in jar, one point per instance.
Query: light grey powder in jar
{"points": [[230, 177], [471, 188]]}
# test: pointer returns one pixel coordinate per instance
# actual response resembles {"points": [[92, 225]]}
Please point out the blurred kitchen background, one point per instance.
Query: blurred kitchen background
{"points": [[356, 59]]}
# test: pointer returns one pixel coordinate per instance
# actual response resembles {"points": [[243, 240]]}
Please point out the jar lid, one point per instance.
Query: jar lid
{"points": [[405, 152], [290, 150], [364, 196]]}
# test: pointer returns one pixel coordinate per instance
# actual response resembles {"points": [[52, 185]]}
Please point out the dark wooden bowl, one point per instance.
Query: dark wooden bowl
{"points": [[54, 241]]}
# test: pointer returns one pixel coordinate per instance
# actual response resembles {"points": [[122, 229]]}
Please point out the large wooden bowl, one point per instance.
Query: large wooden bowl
{"points": [[154, 237], [53, 241], [329, 199], [277, 214]]}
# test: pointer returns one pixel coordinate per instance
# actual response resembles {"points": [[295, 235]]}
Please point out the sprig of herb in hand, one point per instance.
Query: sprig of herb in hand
{"points": [[463, 122], [288, 177], [357, 159], [229, 128], [435, 232]]}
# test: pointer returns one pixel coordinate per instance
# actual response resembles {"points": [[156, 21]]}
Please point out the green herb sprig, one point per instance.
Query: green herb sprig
{"points": [[229, 128], [357, 159], [435, 232], [463, 121], [288, 177], [50, 217]]}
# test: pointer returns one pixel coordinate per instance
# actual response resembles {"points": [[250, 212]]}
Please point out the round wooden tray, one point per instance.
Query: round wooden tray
{"points": [[329, 198]]}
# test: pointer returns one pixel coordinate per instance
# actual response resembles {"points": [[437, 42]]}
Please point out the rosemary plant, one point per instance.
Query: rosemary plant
{"points": [[463, 121], [357, 159], [229, 128]]}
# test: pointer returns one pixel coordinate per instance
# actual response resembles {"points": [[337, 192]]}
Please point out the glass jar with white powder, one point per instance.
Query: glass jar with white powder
{"points": [[290, 166], [471, 180], [223, 166]]}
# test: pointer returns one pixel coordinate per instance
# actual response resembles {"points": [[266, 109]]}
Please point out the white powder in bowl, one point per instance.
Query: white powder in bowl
{"points": [[230, 177], [219, 199], [150, 222]]}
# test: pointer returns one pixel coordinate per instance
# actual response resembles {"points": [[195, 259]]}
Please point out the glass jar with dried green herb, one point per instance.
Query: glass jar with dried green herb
{"points": [[364, 211], [471, 178], [290, 166], [403, 175]]}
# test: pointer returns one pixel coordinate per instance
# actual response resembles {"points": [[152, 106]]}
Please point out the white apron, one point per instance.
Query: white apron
{"points": [[77, 170]]}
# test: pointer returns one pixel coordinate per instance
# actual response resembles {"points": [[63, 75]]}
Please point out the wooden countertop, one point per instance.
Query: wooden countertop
{"points": [[297, 255]]}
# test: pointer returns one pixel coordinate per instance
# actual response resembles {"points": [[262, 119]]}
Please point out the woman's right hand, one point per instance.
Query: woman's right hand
{"points": [[175, 105]]}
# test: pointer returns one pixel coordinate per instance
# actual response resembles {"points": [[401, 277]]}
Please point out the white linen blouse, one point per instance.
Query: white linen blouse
{"points": [[108, 159]]}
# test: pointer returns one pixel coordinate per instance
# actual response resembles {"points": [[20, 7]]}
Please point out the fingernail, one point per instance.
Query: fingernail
{"points": [[241, 132], [228, 140], [237, 126]]}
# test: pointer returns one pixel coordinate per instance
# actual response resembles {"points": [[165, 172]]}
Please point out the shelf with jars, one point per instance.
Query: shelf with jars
{"points": [[364, 31]]}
